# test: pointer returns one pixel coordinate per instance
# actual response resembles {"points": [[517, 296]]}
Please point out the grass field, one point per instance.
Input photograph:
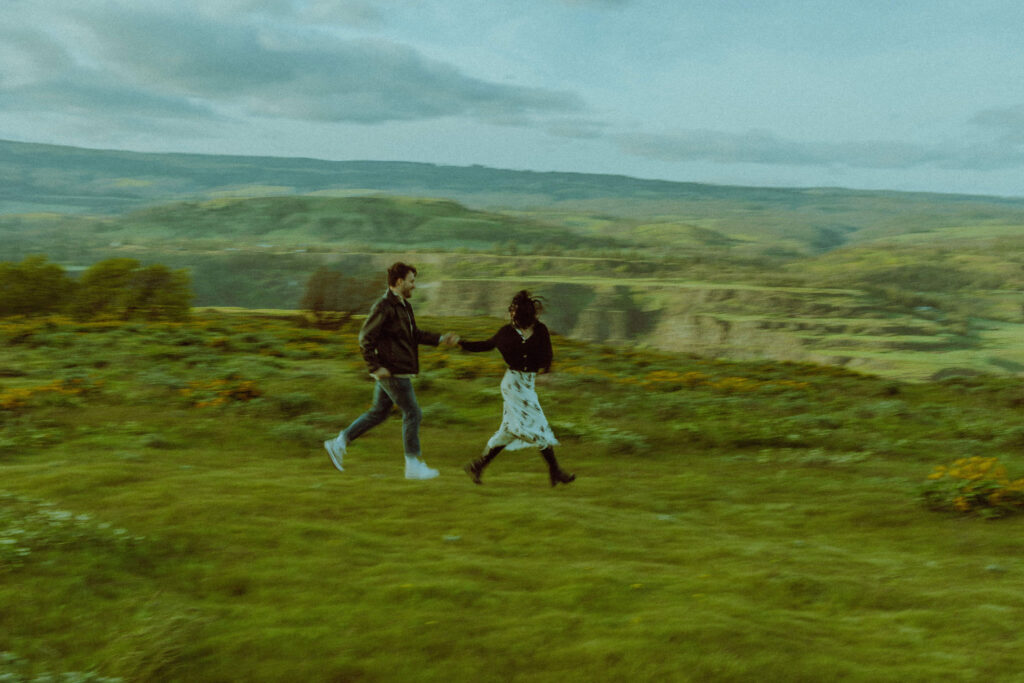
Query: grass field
{"points": [[167, 513]]}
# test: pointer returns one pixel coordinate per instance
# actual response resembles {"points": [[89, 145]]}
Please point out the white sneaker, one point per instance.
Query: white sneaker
{"points": [[415, 468], [336, 450]]}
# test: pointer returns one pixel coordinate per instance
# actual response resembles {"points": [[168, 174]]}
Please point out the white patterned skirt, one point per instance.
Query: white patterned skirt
{"points": [[523, 424]]}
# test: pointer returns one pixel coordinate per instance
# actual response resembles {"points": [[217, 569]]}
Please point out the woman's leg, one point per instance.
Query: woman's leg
{"points": [[558, 476], [476, 468]]}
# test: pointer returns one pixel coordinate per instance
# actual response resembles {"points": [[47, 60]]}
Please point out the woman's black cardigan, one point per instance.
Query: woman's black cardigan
{"points": [[526, 355]]}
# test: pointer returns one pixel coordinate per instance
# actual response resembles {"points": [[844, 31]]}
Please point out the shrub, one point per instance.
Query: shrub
{"points": [[440, 413], [620, 442], [29, 525], [218, 392], [974, 485], [296, 432], [20, 435], [1013, 437], [567, 431], [22, 397], [159, 379], [326, 421], [331, 297], [465, 371], [693, 436], [296, 404], [33, 287], [157, 441], [122, 288]]}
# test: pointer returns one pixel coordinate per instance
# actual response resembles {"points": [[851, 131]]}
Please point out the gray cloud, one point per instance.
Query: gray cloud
{"points": [[347, 12], [42, 76], [276, 73], [367, 82], [84, 91], [355, 13], [606, 3], [580, 129], [759, 147], [1007, 123], [28, 56]]}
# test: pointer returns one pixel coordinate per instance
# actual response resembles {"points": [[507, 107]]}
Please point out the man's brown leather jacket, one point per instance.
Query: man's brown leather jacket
{"points": [[390, 339]]}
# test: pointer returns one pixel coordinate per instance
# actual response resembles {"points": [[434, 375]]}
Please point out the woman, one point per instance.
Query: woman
{"points": [[526, 347]]}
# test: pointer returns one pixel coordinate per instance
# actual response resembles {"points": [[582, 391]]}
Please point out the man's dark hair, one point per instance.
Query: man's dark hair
{"points": [[399, 271], [524, 309]]}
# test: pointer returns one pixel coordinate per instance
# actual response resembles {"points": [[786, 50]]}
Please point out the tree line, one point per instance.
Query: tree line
{"points": [[117, 288], [124, 289]]}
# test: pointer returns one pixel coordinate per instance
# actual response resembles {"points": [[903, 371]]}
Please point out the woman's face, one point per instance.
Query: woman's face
{"points": [[512, 313]]}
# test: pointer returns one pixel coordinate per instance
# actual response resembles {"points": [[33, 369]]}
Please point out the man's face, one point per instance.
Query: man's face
{"points": [[406, 285]]}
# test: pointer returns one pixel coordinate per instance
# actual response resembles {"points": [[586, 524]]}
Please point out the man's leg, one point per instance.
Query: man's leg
{"points": [[377, 413], [401, 392]]}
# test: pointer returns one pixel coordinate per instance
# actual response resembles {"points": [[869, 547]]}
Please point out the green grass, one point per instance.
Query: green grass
{"points": [[730, 521]]}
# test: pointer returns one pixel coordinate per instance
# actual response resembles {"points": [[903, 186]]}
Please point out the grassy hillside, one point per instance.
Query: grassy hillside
{"points": [[167, 514], [927, 283], [309, 223], [379, 223], [43, 178], [908, 305], [781, 222]]}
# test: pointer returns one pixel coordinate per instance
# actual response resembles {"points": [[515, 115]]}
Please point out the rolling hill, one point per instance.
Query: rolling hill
{"points": [[898, 283], [46, 178]]}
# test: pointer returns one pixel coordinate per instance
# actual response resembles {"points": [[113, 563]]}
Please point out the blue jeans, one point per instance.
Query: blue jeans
{"points": [[387, 393]]}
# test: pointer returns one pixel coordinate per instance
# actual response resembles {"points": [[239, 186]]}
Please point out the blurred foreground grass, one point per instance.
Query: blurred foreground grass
{"points": [[167, 513]]}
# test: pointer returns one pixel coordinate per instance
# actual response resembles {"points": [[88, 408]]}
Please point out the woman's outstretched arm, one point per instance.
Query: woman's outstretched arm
{"points": [[488, 345]]}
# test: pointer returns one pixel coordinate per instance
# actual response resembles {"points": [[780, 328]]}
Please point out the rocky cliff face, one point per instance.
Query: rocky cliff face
{"points": [[834, 327], [708, 335], [564, 302], [731, 322]]}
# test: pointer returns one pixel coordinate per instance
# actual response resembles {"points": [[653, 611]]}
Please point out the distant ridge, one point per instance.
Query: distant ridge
{"points": [[39, 177]]}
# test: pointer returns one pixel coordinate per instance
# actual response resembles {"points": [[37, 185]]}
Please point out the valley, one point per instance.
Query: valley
{"points": [[898, 284]]}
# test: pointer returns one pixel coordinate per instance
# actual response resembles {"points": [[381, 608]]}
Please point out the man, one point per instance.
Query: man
{"points": [[389, 340]]}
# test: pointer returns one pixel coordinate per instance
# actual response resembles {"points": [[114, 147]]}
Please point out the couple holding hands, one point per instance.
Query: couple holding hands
{"points": [[389, 340]]}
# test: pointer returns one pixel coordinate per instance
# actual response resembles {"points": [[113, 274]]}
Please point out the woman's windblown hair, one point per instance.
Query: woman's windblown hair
{"points": [[524, 309]]}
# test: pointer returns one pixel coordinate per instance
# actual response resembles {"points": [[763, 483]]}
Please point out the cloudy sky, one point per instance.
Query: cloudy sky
{"points": [[889, 94]]}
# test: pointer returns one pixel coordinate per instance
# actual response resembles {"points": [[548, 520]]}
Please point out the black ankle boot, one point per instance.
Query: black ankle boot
{"points": [[558, 476], [476, 468]]}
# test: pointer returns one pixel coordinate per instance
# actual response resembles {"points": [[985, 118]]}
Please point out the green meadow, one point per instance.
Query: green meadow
{"points": [[167, 513], [749, 506]]}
